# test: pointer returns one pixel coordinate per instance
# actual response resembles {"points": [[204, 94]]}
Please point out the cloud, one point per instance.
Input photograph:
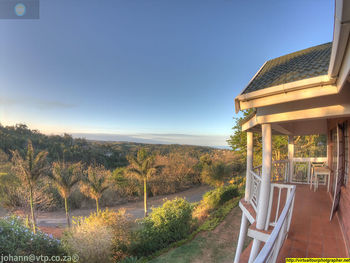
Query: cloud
{"points": [[36, 103], [155, 138]]}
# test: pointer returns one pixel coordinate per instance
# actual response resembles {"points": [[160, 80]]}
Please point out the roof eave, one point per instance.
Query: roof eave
{"points": [[340, 36], [322, 80]]}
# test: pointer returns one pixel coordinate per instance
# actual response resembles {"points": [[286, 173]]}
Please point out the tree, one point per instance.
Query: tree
{"points": [[238, 141], [95, 182], [30, 168], [215, 174], [65, 177], [143, 167]]}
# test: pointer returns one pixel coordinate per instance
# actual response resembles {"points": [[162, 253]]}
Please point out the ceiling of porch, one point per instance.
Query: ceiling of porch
{"points": [[297, 128]]}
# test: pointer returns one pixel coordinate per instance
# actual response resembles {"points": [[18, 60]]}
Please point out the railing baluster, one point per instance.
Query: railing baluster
{"points": [[278, 204]]}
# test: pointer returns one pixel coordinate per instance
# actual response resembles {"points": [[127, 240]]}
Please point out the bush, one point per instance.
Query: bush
{"points": [[165, 225], [17, 239], [101, 237], [228, 193], [213, 199]]}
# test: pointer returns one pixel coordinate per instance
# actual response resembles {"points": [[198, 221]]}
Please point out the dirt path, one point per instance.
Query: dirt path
{"points": [[218, 245], [58, 219]]}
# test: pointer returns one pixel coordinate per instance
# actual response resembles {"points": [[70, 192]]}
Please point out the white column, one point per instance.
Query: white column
{"points": [[242, 234], [290, 157], [265, 186], [265, 176], [249, 165]]}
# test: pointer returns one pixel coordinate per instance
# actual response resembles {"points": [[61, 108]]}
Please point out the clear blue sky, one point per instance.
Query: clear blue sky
{"points": [[157, 70]]}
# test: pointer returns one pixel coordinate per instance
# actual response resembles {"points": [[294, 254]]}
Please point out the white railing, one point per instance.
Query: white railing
{"points": [[257, 170], [274, 243], [255, 190], [284, 191], [302, 169], [280, 171]]}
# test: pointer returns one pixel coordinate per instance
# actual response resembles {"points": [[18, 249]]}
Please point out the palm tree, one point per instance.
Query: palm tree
{"points": [[143, 166], [30, 168], [65, 177], [95, 182]]}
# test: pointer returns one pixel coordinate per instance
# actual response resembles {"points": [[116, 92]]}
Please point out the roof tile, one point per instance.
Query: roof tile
{"points": [[306, 63]]}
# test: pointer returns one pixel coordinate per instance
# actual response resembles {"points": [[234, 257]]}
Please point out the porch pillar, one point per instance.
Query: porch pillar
{"points": [[265, 176], [242, 234], [264, 195], [249, 165], [290, 157]]}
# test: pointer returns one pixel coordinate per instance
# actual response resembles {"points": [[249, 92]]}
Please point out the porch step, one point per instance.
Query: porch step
{"points": [[248, 210], [261, 235]]}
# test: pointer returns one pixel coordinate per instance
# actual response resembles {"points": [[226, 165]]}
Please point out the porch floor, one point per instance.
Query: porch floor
{"points": [[311, 233]]}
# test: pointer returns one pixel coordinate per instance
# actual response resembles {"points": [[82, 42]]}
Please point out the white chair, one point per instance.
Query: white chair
{"points": [[317, 170]]}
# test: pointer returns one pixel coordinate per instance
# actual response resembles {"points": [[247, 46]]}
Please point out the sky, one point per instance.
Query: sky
{"points": [[155, 71]]}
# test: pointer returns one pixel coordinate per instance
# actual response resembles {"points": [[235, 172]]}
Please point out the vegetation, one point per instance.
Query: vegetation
{"points": [[17, 239], [181, 168], [108, 154], [107, 236], [65, 177], [206, 244], [143, 166], [101, 237], [94, 183], [214, 199], [165, 225], [30, 168]]}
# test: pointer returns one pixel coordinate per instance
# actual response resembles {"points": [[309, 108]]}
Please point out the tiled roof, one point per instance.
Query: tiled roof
{"points": [[303, 64]]}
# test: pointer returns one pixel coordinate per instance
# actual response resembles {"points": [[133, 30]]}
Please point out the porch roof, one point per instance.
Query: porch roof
{"points": [[303, 64]]}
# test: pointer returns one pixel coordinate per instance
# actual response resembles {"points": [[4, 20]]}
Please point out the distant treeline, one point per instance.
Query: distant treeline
{"points": [[109, 154]]}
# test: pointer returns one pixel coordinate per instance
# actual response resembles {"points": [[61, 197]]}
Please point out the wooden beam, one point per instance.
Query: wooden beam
{"points": [[340, 110], [280, 129], [306, 114], [295, 95], [250, 123]]}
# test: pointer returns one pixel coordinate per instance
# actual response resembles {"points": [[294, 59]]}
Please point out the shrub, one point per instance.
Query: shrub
{"points": [[165, 225], [17, 239], [99, 237], [213, 199], [228, 193]]}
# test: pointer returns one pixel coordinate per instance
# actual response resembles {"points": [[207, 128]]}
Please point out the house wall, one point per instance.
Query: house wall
{"points": [[344, 203]]}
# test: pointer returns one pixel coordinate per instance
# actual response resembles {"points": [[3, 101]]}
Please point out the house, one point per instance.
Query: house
{"points": [[302, 93]]}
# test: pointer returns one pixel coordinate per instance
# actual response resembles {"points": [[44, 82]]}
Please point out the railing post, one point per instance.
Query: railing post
{"points": [[265, 186], [248, 181], [290, 157], [269, 209], [241, 238], [265, 177]]}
